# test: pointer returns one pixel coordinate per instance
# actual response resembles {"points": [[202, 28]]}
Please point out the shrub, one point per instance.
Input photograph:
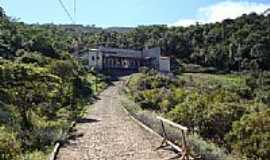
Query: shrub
{"points": [[223, 96], [165, 105], [10, 147], [44, 133], [210, 116], [206, 150], [211, 107], [151, 99], [245, 92], [35, 155], [251, 135], [179, 95], [218, 119], [191, 112]]}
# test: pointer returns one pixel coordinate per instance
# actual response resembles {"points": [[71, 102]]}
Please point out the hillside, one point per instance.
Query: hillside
{"points": [[233, 45], [42, 89]]}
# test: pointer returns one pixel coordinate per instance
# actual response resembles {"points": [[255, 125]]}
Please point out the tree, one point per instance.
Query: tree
{"points": [[27, 88], [251, 135]]}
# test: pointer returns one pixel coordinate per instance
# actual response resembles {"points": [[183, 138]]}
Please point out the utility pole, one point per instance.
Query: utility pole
{"points": [[76, 49], [75, 10]]}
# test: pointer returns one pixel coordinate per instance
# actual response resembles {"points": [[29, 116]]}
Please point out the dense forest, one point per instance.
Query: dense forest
{"points": [[232, 45], [42, 88]]}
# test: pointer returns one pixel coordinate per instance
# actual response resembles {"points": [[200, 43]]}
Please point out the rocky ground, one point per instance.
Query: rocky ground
{"points": [[108, 133]]}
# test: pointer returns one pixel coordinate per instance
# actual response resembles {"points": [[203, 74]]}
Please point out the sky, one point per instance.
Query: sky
{"points": [[131, 13]]}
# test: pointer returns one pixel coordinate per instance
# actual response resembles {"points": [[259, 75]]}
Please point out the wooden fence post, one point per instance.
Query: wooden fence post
{"points": [[185, 150]]}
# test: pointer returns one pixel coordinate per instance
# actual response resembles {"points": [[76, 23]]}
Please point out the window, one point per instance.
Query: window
{"points": [[93, 58]]}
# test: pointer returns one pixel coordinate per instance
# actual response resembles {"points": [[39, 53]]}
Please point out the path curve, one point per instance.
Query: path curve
{"points": [[108, 133]]}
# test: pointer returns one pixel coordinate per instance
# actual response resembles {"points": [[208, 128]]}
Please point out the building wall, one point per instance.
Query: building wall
{"points": [[164, 64], [121, 52], [95, 59], [109, 58], [153, 53]]}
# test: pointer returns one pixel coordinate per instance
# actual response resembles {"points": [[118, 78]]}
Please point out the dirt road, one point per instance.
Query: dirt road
{"points": [[108, 133]]}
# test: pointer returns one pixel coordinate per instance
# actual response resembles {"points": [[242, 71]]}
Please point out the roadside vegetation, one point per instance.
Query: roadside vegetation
{"points": [[42, 89], [227, 111]]}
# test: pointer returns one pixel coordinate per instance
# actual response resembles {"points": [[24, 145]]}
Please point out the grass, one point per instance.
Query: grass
{"points": [[37, 155], [225, 80]]}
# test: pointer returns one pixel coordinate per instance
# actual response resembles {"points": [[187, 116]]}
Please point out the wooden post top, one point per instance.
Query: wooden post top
{"points": [[173, 124]]}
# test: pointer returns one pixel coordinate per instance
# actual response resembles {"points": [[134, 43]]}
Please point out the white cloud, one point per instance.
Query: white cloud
{"points": [[223, 10], [230, 9]]}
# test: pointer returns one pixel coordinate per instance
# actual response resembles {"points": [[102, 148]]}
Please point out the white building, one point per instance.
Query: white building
{"points": [[126, 59], [164, 64]]}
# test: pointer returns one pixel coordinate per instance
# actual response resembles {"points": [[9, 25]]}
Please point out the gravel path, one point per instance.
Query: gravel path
{"points": [[108, 133]]}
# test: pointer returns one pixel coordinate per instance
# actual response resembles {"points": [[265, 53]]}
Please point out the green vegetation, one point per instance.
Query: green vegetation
{"points": [[251, 135], [232, 45], [42, 89], [222, 109], [226, 80], [205, 149]]}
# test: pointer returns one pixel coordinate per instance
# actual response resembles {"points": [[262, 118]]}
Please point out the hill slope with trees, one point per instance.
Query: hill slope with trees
{"points": [[42, 88], [232, 45]]}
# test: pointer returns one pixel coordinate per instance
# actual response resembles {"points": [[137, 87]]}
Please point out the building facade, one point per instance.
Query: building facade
{"points": [[126, 59]]}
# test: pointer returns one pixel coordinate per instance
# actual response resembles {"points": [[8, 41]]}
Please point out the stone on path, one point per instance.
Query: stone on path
{"points": [[108, 133]]}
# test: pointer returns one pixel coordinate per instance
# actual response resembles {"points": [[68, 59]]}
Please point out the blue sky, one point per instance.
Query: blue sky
{"points": [[107, 13]]}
